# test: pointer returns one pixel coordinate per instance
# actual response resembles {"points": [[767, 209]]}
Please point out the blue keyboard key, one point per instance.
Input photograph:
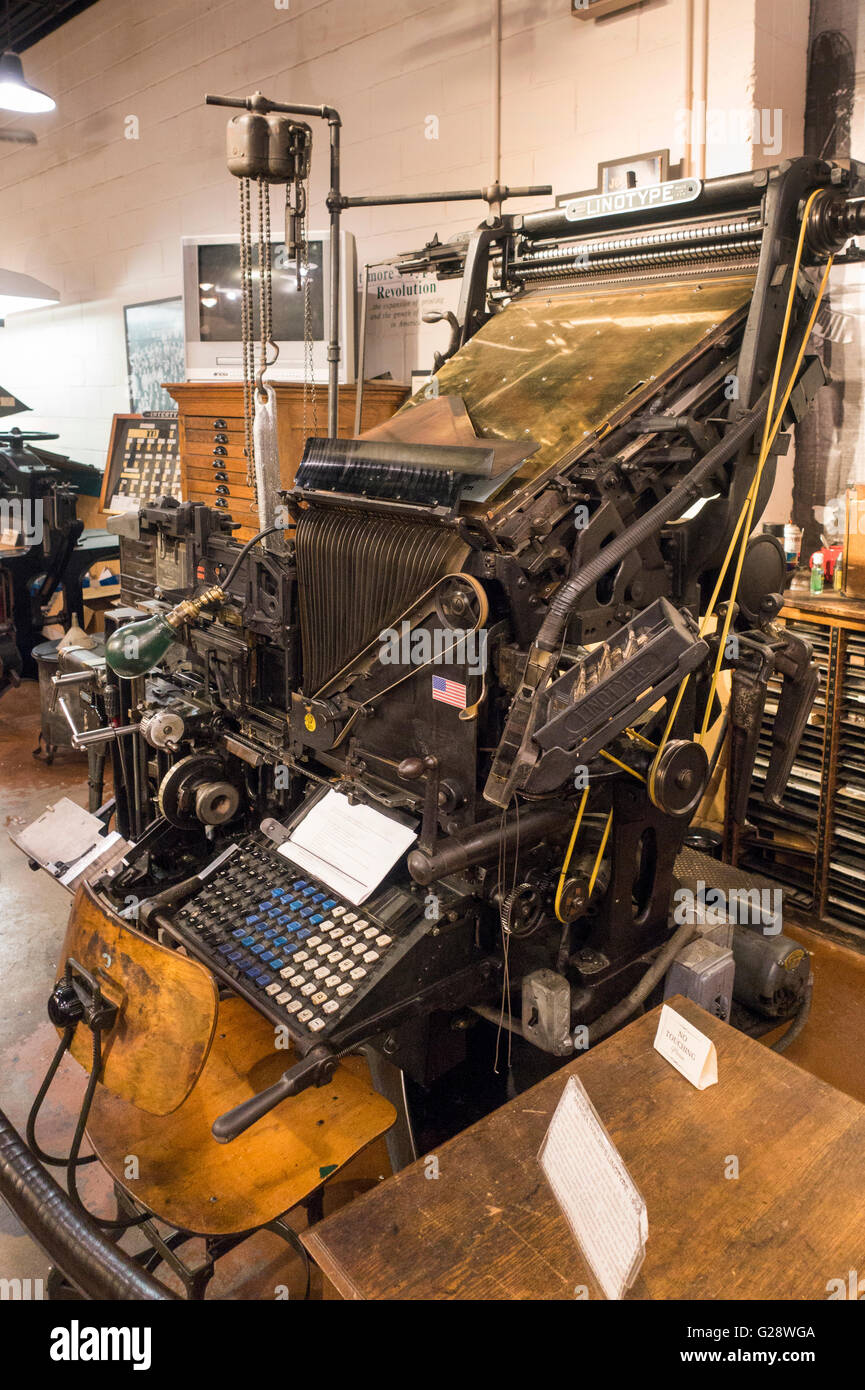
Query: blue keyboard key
{"points": [[274, 913], [224, 950], [299, 883], [328, 904], [290, 949], [298, 902], [302, 935], [236, 955], [252, 969], [308, 892], [315, 919], [279, 892], [267, 955], [257, 950], [240, 931], [247, 940], [280, 940], [285, 917], [262, 907], [251, 921], [318, 897], [269, 934], [305, 912], [262, 979], [277, 963]]}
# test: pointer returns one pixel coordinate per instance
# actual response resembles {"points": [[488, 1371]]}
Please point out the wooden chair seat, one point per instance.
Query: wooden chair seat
{"points": [[188, 1180]]}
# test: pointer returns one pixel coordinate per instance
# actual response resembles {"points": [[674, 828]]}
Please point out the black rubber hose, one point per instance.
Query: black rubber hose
{"points": [[799, 1021], [677, 499], [622, 1011], [97, 1267]]}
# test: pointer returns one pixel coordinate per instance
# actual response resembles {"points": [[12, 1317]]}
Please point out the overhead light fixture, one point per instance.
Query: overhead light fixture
{"points": [[19, 292], [16, 93]]}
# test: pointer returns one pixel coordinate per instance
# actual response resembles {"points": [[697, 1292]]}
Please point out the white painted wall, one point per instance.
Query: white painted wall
{"points": [[100, 216]]}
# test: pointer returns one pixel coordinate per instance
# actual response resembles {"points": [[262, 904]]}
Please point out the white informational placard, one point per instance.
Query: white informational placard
{"points": [[397, 339], [350, 848], [687, 1049], [595, 1191]]}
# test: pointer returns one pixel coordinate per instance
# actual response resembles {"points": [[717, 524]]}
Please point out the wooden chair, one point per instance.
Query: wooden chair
{"points": [[174, 1059]]}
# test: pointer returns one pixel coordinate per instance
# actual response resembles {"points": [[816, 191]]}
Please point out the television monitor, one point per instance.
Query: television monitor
{"points": [[212, 308]]}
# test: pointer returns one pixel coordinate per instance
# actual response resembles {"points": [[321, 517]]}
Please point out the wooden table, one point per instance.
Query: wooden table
{"points": [[488, 1226]]}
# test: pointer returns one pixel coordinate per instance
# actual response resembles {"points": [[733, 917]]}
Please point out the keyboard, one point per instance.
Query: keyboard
{"points": [[301, 954]]}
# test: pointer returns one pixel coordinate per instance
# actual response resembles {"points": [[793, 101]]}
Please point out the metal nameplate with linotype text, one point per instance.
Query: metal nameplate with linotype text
{"points": [[633, 199]]}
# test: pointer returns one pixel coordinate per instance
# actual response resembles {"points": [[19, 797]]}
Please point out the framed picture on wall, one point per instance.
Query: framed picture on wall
{"points": [[154, 352]]}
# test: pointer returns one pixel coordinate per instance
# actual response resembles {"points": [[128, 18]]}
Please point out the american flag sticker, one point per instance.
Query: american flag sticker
{"points": [[449, 692]]}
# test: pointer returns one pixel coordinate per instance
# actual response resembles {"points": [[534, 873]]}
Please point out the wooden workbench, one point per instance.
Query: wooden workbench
{"points": [[489, 1228]]}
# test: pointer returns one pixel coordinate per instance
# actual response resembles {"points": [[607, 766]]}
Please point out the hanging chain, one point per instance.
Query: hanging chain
{"points": [[265, 284], [308, 345], [246, 328]]}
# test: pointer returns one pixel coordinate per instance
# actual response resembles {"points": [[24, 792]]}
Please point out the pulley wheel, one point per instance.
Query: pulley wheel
{"points": [[680, 775]]}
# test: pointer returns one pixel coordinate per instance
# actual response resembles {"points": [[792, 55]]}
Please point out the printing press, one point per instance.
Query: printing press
{"points": [[489, 631]]}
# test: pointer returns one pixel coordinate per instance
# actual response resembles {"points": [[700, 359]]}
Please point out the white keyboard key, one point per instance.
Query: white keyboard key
{"points": [[273, 989], [321, 972], [331, 981], [318, 998], [345, 965], [305, 1016], [361, 924], [307, 990], [316, 1025], [337, 911], [301, 957], [336, 933], [287, 973], [312, 941], [359, 949], [359, 973], [325, 950], [331, 1006], [297, 980], [350, 917], [345, 989], [382, 941], [371, 956], [284, 997], [348, 941], [370, 933], [293, 1007]]}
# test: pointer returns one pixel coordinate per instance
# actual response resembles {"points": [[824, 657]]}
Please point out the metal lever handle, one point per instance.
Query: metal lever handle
{"points": [[82, 739], [316, 1069], [68, 678]]}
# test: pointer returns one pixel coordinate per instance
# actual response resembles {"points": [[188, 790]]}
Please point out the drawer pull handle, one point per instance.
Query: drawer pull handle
{"points": [[219, 425], [220, 439], [220, 451]]}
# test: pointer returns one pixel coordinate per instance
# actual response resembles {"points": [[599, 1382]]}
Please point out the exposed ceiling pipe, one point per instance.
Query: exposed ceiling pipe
{"points": [[496, 89], [703, 86], [688, 150]]}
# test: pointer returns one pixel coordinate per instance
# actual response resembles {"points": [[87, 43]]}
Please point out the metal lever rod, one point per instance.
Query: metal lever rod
{"points": [[85, 738], [316, 1069]]}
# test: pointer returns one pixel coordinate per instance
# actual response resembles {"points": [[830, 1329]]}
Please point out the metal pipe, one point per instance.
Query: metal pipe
{"points": [[496, 94], [486, 840], [335, 204]]}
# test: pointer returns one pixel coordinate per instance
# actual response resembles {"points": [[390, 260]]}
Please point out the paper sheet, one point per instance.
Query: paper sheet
{"points": [[350, 848], [595, 1191]]}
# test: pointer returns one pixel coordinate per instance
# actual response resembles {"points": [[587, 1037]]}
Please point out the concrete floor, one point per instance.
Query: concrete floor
{"points": [[33, 915]]}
